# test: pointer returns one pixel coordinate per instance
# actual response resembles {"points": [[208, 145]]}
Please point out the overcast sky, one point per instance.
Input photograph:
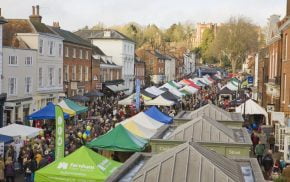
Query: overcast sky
{"points": [[75, 14]]}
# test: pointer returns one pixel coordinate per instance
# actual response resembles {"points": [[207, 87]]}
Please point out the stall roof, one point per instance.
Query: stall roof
{"points": [[251, 107], [139, 130], [147, 94], [189, 162], [47, 112], [76, 107], [156, 114], [119, 139], [226, 90], [14, 130], [212, 111], [160, 101], [117, 88], [154, 90], [6, 139], [169, 96], [205, 129]]}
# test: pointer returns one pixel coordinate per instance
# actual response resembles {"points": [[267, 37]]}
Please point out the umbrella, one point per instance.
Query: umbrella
{"points": [[94, 93], [80, 98]]}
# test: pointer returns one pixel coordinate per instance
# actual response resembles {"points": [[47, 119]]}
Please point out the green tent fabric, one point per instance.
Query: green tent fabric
{"points": [[119, 139], [82, 165], [173, 84], [185, 92], [76, 107]]}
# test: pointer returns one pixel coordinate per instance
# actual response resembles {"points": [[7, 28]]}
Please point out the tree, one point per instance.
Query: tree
{"points": [[207, 39], [235, 39]]}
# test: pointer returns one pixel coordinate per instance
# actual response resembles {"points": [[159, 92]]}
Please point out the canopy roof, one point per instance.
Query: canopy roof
{"points": [[131, 100], [119, 139], [6, 139], [154, 90], [159, 101], [14, 130], [231, 86], [174, 84], [189, 89], [79, 98], [190, 83], [156, 114], [185, 92], [169, 96], [176, 92], [200, 81], [226, 90], [76, 107], [147, 94], [117, 88], [82, 165], [94, 93], [139, 130], [251, 107], [66, 108], [47, 112], [145, 121], [168, 86]]}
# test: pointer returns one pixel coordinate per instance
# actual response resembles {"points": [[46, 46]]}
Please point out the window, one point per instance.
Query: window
{"points": [[74, 72], [111, 74], [59, 76], [285, 88], [87, 55], [12, 60], [50, 44], [50, 76], [59, 50], [66, 72], [28, 60], [28, 85], [87, 73], [74, 53], [66, 52], [41, 46], [40, 78], [81, 54], [81, 72], [286, 47], [12, 86]]}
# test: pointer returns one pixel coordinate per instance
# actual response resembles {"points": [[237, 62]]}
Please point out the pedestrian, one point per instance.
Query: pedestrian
{"points": [[2, 168], [271, 141], [268, 163], [259, 151], [9, 170], [28, 165], [255, 140]]}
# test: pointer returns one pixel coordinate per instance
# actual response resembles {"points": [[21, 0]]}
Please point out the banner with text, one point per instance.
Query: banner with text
{"points": [[138, 85], [59, 133]]}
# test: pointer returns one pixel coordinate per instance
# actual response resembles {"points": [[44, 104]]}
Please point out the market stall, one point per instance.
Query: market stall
{"points": [[159, 101], [17, 130], [47, 112], [156, 114]]}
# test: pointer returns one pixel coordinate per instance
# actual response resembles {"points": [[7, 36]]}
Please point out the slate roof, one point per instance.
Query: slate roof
{"points": [[41, 27], [212, 111], [70, 37], [99, 34], [189, 162], [97, 50]]}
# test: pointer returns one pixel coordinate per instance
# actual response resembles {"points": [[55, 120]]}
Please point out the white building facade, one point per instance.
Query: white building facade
{"points": [[189, 63], [170, 68], [122, 50], [19, 82]]}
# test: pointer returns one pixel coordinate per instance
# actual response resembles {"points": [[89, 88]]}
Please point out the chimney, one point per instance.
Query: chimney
{"points": [[56, 24], [35, 16], [288, 8]]}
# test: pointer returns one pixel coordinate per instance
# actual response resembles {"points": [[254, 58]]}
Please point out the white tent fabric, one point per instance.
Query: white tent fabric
{"points": [[182, 83], [154, 90], [177, 84], [168, 86], [127, 100], [206, 77], [195, 80], [139, 130], [144, 120], [176, 92], [15, 130], [252, 107], [230, 86], [159, 101], [190, 89]]}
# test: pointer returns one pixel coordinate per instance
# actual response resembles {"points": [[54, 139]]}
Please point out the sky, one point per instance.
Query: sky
{"points": [[75, 14]]}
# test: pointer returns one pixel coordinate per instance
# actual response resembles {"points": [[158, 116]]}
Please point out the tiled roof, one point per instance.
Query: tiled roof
{"points": [[97, 50], [70, 37], [189, 162], [100, 34], [15, 26], [41, 27]]}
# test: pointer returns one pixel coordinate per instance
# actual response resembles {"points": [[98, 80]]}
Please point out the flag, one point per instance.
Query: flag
{"points": [[59, 133], [138, 85]]}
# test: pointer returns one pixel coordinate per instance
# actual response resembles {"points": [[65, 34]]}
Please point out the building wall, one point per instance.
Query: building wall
{"points": [[1, 51], [82, 84], [20, 103], [96, 75], [123, 53], [285, 75], [140, 72], [170, 69], [47, 92]]}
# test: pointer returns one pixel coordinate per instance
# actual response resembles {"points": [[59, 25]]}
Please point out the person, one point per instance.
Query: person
{"points": [[259, 151], [271, 141], [28, 165], [9, 170], [2, 168], [255, 140], [268, 163]]}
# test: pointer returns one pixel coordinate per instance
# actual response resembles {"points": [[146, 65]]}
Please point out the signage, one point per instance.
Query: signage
{"points": [[99, 86], [138, 87], [270, 108], [59, 133], [250, 80], [74, 85]]}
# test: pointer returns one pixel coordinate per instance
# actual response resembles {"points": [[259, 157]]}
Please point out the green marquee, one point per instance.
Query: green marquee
{"points": [[83, 165], [74, 106], [119, 139]]}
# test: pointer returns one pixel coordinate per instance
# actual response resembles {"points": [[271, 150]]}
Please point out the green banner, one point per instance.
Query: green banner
{"points": [[59, 133]]}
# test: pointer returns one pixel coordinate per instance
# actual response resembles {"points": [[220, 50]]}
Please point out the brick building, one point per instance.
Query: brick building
{"points": [[154, 64], [77, 62], [263, 75], [139, 70]]}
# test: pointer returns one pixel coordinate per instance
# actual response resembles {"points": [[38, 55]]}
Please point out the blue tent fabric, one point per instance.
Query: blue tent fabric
{"points": [[156, 114], [6, 139], [48, 112]]}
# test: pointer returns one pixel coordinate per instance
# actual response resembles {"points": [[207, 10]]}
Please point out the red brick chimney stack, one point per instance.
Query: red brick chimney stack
{"points": [[35, 16]]}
